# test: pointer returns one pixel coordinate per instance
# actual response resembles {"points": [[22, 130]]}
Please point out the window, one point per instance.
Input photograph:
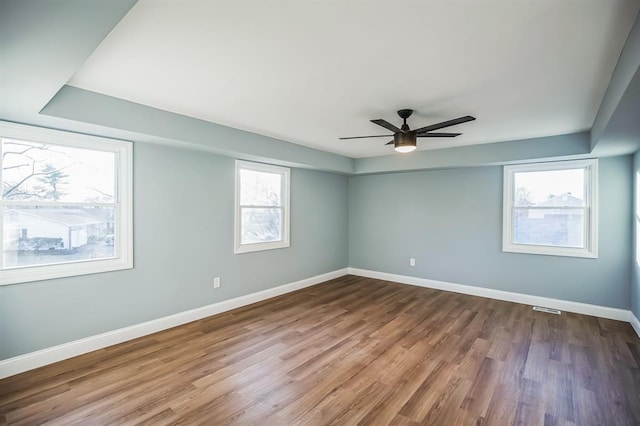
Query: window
{"points": [[66, 204], [262, 207], [551, 208]]}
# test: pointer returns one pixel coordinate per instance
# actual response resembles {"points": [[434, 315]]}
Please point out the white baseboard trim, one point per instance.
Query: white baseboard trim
{"points": [[526, 299], [635, 323], [30, 361]]}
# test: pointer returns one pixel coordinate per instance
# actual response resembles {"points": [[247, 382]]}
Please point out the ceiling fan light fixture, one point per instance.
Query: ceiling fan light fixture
{"points": [[404, 142]]}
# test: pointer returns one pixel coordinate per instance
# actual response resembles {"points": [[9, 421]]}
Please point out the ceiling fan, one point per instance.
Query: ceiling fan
{"points": [[404, 139]]}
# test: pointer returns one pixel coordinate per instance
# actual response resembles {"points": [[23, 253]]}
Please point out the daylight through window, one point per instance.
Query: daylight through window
{"points": [[262, 212], [551, 208], [65, 204]]}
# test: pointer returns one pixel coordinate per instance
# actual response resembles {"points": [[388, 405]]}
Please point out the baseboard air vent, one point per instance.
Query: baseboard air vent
{"points": [[547, 310]]}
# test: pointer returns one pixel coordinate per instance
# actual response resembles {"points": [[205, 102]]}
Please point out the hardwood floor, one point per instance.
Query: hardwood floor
{"points": [[350, 351]]}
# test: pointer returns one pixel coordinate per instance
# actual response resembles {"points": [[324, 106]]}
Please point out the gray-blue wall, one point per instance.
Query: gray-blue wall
{"points": [[635, 264], [450, 221], [183, 224]]}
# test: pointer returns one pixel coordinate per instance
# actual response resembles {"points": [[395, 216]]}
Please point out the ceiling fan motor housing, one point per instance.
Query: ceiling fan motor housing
{"points": [[404, 139]]}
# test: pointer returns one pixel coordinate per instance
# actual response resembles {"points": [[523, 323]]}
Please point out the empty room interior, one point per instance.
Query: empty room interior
{"points": [[320, 212]]}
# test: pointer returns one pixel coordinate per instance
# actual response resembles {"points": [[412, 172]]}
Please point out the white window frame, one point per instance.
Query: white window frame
{"points": [[285, 203], [590, 210], [123, 204]]}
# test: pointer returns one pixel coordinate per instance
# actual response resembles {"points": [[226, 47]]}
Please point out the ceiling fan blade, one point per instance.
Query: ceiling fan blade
{"points": [[360, 137], [444, 124], [390, 143], [386, 125], [438, 135]]}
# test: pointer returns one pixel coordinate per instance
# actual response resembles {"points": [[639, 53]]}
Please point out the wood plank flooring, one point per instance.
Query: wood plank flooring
{"points": [[349, 351]]}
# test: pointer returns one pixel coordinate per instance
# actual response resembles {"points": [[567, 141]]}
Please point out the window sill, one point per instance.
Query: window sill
{"points": [[47, 272], [549, 250], [250, 248]]}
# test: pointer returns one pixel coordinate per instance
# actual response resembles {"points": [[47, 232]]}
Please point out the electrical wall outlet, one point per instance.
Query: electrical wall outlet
{"points": [[412, 262], [216, 282]]}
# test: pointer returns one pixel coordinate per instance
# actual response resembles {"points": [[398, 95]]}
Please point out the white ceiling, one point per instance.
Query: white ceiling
{"points": [[311, 71]]}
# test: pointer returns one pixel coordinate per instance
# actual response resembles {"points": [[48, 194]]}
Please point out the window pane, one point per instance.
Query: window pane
{"points": [[46, 172], [260, 188], [47, 235], [550, 188], [550, 227], [261, 225]]}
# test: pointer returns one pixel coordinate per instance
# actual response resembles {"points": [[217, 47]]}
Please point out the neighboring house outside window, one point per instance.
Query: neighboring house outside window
{"points": [[551, 208], [262, 207], [66, 204]]}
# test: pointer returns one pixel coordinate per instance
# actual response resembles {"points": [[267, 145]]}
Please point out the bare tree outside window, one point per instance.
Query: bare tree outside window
{"points": [[21, 168]]}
